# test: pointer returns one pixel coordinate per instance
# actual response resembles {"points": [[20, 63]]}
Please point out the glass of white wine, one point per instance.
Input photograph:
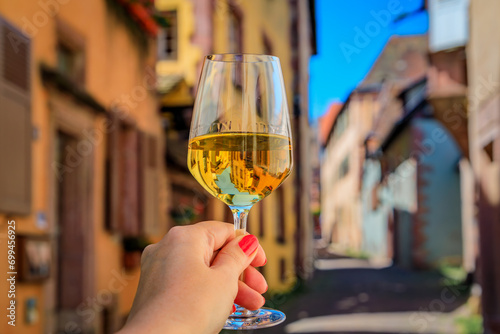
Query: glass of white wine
{"points": [[240, 144]]}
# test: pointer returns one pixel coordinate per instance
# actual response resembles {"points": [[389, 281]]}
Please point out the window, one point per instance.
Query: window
{"points": [[343, 168], [66, 61], [15, 120], [70, 50], [168, 44]]}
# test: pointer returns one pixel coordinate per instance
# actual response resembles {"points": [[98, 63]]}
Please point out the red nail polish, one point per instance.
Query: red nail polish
{"points": [[233, 309], [248, 244], [265, 261]]}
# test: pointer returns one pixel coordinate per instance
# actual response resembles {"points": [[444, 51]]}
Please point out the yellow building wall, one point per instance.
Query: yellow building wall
{"points": [[188, 54], [341, 197], [113, 68], [259, 18], [270, 19]]}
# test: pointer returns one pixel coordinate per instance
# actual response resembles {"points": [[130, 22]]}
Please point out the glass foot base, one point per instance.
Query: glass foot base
{"points": [[262, 318]]}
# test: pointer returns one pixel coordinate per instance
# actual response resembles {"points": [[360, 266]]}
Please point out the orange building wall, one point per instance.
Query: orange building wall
{"points": [[113, 67]]}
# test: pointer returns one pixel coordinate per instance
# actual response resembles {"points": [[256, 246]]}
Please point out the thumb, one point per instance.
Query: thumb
{"points": [[236, 255]]}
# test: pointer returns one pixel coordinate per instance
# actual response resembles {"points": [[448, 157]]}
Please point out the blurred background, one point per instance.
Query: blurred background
{"points": [[390, 222]]}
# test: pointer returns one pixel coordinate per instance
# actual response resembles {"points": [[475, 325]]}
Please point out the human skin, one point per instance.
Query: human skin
{"points": [[189, 280]]}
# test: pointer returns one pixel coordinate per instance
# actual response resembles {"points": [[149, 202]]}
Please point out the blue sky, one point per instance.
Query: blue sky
{"points": [[351, 34]]}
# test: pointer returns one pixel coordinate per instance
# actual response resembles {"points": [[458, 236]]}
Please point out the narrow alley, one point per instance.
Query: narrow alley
{"points": [[353, 296]]}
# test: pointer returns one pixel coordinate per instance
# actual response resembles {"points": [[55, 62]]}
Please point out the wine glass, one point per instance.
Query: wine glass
{"points": [[240, 147]]}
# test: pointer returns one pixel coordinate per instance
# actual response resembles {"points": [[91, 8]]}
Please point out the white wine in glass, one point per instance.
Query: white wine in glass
{"points": [[240, 146]]}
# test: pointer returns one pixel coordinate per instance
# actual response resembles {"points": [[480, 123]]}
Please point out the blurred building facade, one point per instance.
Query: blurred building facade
{"points": [[283, 222], [447, 94], [302, 46], [388, 200], [431, 183], [363, 116], [464, 93], [405, 192], [483, 73], [461, 93], [86, 187], [181, 46], [340, 171], [325, 124], [420, 187]]}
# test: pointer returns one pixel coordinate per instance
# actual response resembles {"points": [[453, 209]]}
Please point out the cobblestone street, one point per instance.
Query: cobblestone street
{"points": [[351, 296]]}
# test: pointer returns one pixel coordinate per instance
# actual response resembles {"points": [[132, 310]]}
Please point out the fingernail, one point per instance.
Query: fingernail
{"points": [[233, 309], [248, 244], [265, 261]]}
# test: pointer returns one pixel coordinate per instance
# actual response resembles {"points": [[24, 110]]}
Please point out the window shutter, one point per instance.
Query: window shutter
{"points": [[15, 120], [123, 182], [129, 181], [113, 173], [148, 184]]}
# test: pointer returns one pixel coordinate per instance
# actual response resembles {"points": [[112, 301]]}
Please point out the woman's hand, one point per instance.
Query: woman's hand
{"points": [[189, 280]]}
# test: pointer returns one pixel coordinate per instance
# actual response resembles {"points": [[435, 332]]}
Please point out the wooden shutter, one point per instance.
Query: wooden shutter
{"points": [[15, 120], [149, 158], [112, 173], [71, 238], [122, 177], [129, 181]]}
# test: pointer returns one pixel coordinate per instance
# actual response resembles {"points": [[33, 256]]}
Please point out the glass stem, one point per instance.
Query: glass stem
{"points": [[240, 220], [240, 216]]}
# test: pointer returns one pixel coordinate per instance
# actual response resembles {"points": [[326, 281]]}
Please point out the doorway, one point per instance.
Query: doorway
{"points": [[71, 233]]}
